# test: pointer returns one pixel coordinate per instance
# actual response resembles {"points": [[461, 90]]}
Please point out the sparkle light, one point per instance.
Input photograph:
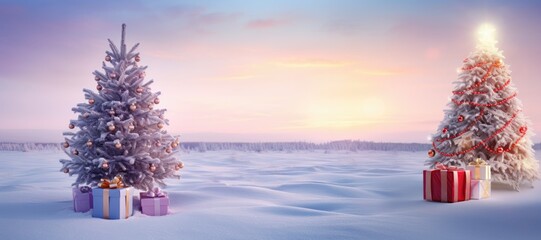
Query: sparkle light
{"points": [[486, 36]]}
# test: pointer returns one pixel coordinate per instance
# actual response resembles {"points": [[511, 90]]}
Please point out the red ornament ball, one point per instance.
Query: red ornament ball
{"points": [[75, 152], [444, 131], [137, 58], [523, 129], [96, 78], [108, 58], [91, 101], [66, 170], [139, 90], [71, 126], [160, 125], [156, 100], [460, 118], [113, 75], [105, 165], [142, 74], [499, 149], [431, 153], [99, 87], [152, 167], [65, 145]]}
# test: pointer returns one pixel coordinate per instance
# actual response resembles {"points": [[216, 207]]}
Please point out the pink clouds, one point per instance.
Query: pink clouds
{"points": [[268, 23]]}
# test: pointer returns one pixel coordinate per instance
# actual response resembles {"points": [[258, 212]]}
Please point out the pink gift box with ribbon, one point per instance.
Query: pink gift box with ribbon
{"points": [[82, 198], [154, 203]]}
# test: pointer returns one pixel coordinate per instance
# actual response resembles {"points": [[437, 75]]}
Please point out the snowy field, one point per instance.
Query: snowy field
{"points": [[246, 195]]}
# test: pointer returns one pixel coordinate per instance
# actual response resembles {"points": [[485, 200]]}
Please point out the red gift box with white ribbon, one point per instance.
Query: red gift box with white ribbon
{"points": [[446, 184]]}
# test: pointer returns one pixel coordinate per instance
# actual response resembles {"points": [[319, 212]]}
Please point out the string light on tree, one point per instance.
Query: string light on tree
{"points": [[485, 94]]}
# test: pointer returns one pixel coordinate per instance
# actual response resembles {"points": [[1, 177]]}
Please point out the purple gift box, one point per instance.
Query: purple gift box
{"points": [[154, 206], [82, 199]]}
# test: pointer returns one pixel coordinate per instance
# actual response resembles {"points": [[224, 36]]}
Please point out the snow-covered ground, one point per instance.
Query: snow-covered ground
{"points": [[247, 195]]}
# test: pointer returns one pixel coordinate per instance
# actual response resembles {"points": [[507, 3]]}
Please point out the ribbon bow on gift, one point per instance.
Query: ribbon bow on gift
{"points": [[477, 162], [85, 189], [115, 183], [156, 192], [440, 166]]}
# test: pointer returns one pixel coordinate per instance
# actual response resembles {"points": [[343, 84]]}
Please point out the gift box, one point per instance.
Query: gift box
{"points": [[480, 189], [479, 170], [112, 203], [156, 205], [82, 198], [446, 184]]}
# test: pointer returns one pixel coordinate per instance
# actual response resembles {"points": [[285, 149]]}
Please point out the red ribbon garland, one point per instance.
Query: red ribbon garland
{"points": [[465, 129], [476, 85], [485, 104], [483, 142]]}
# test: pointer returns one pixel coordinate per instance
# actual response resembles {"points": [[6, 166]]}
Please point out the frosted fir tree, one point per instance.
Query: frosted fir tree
{"points": [[119, 130], [485, 119]]}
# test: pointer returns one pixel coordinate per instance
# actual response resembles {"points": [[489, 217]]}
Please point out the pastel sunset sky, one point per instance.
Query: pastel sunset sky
{"points": [[263, 70]]}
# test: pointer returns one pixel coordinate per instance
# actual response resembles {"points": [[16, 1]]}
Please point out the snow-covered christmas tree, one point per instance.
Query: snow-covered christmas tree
{"points": [[485, 119], [120, 133]]}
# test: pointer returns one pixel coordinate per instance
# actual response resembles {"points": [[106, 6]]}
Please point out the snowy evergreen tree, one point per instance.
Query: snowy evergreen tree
{"points": [[485, 119], [119, 130]]}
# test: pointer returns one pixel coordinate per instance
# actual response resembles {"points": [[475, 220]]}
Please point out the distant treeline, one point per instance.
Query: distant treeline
{"points": [[344, 145]]}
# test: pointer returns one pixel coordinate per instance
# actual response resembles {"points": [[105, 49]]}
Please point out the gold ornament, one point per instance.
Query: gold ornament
{"points": [[111, 128], [168, 150], [65, 144], [131, 127], [91, 101], [160, 125], [71, 126], [112, 112], [89, 143], [152, 167], [174, 144], [133, 107], [156, 100], [180, 165], [118, 145], [105, 165]]}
